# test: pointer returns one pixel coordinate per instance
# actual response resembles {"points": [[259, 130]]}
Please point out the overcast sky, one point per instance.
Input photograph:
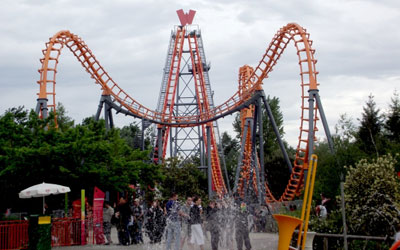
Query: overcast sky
{"points": [[357, 47]]}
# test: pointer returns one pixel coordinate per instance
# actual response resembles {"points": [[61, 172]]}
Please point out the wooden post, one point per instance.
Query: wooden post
{"points": [[83, 235], [66, 205], [326, 247]]}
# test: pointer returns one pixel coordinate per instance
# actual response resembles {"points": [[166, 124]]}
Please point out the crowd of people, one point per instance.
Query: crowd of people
{"points": [[178, 223]]}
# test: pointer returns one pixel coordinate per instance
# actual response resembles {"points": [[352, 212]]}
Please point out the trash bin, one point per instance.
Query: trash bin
{"points": [[39, 232]]}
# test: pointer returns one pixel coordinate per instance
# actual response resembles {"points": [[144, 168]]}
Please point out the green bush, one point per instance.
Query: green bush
{"points": [[372, 194]]}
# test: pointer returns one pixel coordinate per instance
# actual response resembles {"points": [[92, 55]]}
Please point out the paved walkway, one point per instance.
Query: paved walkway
{"points": [[258, 241]]}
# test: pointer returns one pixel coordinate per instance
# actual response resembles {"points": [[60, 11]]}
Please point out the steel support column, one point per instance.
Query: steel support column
{"points": [[323, 119], [277, 134], [239, 165], [209, 172], [41, 107], [261, 143], [99, 109], [105, 101], [159, 144], [310, 125], [143, 128], [254, 163]]}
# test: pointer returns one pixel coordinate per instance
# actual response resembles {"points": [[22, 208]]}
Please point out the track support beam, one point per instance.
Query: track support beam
{"points": [[261, 143], [41, 107], [275, 128], [254, 163], [209, 163], [108, 117], [315, 93]]}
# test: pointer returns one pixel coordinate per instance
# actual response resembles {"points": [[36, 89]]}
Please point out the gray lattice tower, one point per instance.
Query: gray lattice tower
{"points": [[187, 142]]}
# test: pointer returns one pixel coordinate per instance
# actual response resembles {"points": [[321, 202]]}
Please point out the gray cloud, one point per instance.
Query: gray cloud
{"points": [[356, 43]]}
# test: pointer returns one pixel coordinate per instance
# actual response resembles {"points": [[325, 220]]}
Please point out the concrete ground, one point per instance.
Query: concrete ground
{"points": [[264, 241]]}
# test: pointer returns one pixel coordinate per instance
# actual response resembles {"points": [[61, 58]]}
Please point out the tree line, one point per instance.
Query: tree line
{"points": [[81, 156]]}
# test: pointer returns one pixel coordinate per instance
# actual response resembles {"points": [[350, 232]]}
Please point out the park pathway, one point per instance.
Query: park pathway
{"points": [[259, 241]]}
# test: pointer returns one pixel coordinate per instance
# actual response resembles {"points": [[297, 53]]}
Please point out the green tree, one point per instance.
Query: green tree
{"points": [[372, 197], [330, 166], [392, 123], [237, 125], [133, 136], [184, 179], [83, 156], [64, 122], [370, 131], [231, 153]]}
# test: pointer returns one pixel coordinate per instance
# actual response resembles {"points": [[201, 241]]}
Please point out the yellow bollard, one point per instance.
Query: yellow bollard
{"points": [[287, 225]]}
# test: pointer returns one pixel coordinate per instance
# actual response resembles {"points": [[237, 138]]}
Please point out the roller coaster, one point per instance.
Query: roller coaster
{"points": [[249, 100]]}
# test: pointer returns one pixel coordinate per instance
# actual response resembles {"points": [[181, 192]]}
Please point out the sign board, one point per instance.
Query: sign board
{"points": [[44, 220]]}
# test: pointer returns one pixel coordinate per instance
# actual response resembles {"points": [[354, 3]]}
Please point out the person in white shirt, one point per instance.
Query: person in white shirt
{"points": [[108, 212], [397, 235], [321, 211]]}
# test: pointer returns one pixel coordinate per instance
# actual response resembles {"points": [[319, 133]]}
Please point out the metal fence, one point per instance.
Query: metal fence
{"points": [[64, 232], [13, 234]]}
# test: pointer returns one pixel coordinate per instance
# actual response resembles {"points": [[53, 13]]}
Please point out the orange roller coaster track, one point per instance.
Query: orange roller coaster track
{"points": [[244, 97]]}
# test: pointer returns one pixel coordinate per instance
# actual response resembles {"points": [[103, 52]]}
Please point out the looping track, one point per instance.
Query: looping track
{"points": [[240, 99]]}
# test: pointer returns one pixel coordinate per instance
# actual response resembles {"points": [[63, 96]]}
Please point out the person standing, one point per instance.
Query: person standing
{"points": [[137, 222], [160, 223], [108, 213], [263, 218], [123, 213], [228, 224], [154, 224], [213, 222], [197, 235], [151, 221], [185, 221], [173, 222], [321, 211], [242, 227], [326, 202], [397, 236]]}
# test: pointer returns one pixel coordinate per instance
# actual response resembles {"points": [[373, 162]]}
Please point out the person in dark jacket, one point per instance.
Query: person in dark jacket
{"points": [[123, 213], [242, 227], [155, 222], [137, 222], [213, 222]]}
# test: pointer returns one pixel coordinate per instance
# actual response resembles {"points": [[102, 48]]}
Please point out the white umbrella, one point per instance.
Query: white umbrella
{"points": [[42, 190]]}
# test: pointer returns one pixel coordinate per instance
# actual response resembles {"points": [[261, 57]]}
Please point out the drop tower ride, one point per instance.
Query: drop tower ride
{"points": [[186, 91]]}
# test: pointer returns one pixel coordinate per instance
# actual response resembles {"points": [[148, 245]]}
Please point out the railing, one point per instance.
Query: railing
{"points": [[67, 232], [13, 234], [337, 239], [64, 232]]}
